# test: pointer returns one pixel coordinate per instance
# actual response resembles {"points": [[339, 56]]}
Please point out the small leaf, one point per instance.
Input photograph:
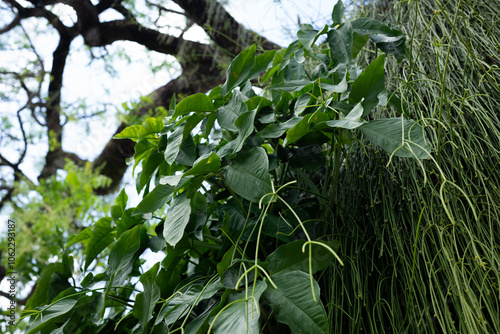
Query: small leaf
{"points": [[388, 134], [248, 175], [301, 85], [276, 130], [177, 219]]}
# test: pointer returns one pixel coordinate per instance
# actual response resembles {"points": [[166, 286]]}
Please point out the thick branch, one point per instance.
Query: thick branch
{"points": [[221, 27]]}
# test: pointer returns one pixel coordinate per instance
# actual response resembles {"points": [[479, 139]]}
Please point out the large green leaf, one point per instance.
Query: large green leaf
{"points": [[387, 39], [248, 175], [204, 165], [289, 257], [41, 294], [245, 125], [177, 306], [276, 130], [262, 62], [145, 301], [177, 219], [156, 199], [197, 102], [340, 42], [122, 254], [338, 13], [229, 113], [173, 144], [293, 303], [305, 126], [239, 70], [242, 316], [130, 132], [369, 85], [50, 314], [102, 235], [388, 134]]}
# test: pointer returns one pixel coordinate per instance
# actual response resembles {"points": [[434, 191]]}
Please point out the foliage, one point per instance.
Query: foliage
{"points": [[242, 192], [423, 257]]}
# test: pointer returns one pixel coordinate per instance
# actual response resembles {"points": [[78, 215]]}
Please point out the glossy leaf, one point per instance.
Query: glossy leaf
{"points": [[388, 134], [351, 121], [50, 314], [103, 234], [239, 70], [387, 39], [289, 257], [205, 165], [173, 145], [122, 254], [242, 316], [276, 130], [338, 13], [156, 199], [194, 103], [369, 85], [248, 175], [229, 113], [305, 126], [293, 305], [340, 42], [177, 219], [145, 301]]}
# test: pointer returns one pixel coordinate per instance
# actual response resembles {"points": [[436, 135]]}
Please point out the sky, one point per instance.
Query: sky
{"points": [[88, 82]]}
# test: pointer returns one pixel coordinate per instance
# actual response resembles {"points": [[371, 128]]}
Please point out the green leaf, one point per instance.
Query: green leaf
{"points": [[198, 102], [173, 144], [41, 294], [50, 314], [369, 85], [205, 165], [245, 125], [248, 175], [262, 62], [351, 121], [305, 126], [177, 219], [102, 235], [156, 199], [340, 42], [145, 301], [83, 235], [301, 85], [151, 126], [187, 152], [130, 132], [358, 42], [307, 35], [276, 130], [289, 257], [149, 165], [122, 254], [239, 70], [293, 304], [229, 113], [242, 316], [388, 134], [387, 39], [338, 13], [177, 306]]}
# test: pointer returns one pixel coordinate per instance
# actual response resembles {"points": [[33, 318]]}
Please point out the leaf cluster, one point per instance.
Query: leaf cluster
{"points": [[240, 187]]}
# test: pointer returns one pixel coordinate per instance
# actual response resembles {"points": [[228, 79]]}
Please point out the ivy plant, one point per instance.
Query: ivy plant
{"points": [[239, 189]]}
